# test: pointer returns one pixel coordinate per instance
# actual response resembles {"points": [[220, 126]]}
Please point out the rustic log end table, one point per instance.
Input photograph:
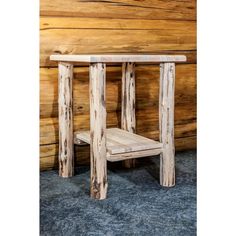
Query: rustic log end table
{"points": [[115, 144]]}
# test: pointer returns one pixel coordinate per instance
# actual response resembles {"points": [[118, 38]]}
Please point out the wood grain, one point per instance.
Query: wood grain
{"points": [[66, 144], [147, 26], [120, 141], [114, 24], [98, 150], [128, 94], [49, 156], [118, 58], [86, 41], [49, 153], [152, 36], [147, 87], [166, 124], [146, 124], [147, 9], [131, 155]]}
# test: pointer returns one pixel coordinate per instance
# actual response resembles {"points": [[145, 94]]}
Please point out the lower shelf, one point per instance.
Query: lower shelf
{"points": [[123, 145], [133, 155]]}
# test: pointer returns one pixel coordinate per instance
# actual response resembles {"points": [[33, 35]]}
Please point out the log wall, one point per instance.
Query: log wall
{"points": [[121, 26]]}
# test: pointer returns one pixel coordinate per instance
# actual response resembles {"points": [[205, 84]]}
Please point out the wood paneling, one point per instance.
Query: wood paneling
{"points": [[75, 41], [114, 24], [145, 9], [147, 88], [127, 26], [147, 123]]}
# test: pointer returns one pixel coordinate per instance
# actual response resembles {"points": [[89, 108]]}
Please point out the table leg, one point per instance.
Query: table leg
{"points": [[128, 120], [98, 187], [66, 144], [166, 124]]}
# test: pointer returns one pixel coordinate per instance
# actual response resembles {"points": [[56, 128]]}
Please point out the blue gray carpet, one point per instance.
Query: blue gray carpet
{"points": [[136, 203]]}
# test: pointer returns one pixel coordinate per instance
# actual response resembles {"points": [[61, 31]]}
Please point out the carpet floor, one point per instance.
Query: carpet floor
{"points": [[136, 204]]}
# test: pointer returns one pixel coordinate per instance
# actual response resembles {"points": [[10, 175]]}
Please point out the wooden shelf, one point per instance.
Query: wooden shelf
{"points": [[122, 145]]}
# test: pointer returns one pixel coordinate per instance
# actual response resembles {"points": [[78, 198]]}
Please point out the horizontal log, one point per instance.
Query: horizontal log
{"points": [[147, 88], [95, 41], [105, 23], [146, 9], [49, 153]]}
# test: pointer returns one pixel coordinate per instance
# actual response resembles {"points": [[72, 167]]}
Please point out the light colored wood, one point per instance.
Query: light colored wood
{"points": [[118, 9], [166, 124], [128, 119], [146, 91], [146, 119], [185, 133], [81, 142], [131, 155], [120, 141], [49, 152], [98, 185], [118, 58], [66, 145]]}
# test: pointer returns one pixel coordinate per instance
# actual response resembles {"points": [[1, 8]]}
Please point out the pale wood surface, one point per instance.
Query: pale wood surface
{"points": [[66, 145], [131, 155], [119, 58], [120, 141], [128, 119], [98, 185], [166, 124], [49, 156]]}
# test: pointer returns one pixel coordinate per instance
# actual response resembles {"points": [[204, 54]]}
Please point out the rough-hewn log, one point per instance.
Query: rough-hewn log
{"points": [[128, 119], [98, 185], [66, 144], [151, 9], [166, 124]]}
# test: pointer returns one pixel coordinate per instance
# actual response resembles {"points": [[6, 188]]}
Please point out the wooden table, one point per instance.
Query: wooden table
{"points": [[115, 144]]}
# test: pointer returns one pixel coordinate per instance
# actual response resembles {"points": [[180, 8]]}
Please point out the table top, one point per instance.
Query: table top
{"points": [[118, 58]]}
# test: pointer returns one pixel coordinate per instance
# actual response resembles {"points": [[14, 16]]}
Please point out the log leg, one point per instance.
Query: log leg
{"points": [[166, 124], [66, 144], [128, 121], [98, 187]]}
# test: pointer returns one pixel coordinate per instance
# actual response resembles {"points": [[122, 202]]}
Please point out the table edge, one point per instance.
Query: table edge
{"points": [[117, 58]]}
